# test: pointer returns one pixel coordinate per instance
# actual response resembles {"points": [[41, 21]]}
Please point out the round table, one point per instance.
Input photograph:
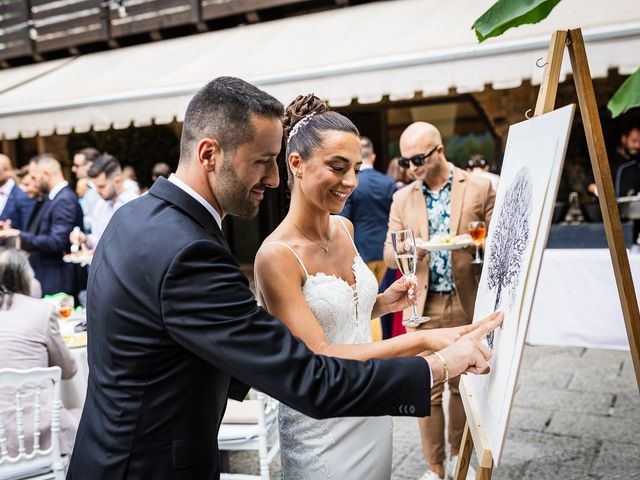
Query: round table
{"points": [[73, 391]]}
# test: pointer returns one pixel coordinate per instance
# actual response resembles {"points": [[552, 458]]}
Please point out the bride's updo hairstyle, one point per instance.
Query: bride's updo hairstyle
{"points": [[304, 122]]}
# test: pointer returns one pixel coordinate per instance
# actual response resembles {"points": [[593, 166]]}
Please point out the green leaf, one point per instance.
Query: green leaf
{"points": [[627, 96], [506, 14]]}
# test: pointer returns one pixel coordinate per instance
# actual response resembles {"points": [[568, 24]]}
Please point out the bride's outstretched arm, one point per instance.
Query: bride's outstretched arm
{"points": [[279, 280]]}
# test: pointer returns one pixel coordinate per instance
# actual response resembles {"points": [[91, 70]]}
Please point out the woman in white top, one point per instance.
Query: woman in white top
{"points": [[309, 274]]}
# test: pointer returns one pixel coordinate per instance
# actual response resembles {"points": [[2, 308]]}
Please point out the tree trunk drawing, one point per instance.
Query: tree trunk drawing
{"points": [[510, 239]]}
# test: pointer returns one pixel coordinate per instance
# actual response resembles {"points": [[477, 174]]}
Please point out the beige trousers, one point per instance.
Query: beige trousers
{"points": [[445, 311]]}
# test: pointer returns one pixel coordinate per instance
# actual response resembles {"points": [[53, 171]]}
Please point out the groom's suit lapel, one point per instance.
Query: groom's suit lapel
{"points": [[173, 194]]}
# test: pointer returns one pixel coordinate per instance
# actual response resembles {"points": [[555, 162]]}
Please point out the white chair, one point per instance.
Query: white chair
{"points": [[247, 426], [39, 464]]}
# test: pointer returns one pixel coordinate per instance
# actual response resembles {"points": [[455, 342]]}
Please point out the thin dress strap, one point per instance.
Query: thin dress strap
{"points": [[348, 234], [294, 254]]}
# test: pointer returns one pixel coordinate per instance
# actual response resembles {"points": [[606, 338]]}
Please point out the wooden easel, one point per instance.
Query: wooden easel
{"points": [[474, 432]]}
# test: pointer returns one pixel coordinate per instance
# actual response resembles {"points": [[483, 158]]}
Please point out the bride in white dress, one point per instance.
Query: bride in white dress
{"points": [[310, 275]]}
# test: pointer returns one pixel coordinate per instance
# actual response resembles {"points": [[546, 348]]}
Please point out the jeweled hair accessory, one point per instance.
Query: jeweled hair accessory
{"points": [[299, 125]]}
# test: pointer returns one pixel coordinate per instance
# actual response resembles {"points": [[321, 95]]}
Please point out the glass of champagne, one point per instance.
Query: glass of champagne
{"points": [[66, 307], [478, 231], [404, 246]]}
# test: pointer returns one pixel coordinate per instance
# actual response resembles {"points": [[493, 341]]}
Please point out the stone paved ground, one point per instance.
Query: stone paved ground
{"points": [[576, 415]]}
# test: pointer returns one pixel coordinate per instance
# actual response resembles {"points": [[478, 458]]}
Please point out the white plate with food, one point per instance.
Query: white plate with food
{"points": [[77, 340], [445, 243]]}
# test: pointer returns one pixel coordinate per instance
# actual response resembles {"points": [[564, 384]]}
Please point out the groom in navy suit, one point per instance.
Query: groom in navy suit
{"points": [[174, 329], [15, 205]]}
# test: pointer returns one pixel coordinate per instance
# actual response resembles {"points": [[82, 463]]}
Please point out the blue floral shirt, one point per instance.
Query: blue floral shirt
{"points": [[439, 211]]}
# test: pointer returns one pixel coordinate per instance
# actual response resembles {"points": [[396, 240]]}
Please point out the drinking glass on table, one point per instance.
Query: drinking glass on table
{"points": [[478, 232], [66, 307], [404, 246]]}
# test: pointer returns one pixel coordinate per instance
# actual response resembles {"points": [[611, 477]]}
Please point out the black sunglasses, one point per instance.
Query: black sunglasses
{"points": [[417, 160]]}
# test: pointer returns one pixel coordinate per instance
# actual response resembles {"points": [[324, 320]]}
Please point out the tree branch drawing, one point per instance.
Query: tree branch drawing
{"points": [[510, 239]]}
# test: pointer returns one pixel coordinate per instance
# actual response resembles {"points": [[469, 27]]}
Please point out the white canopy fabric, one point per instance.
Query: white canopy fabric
{"points": [[394, 48]]}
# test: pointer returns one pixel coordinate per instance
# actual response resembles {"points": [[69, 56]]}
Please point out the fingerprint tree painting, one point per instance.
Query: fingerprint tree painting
{"points": [[511, 237]]}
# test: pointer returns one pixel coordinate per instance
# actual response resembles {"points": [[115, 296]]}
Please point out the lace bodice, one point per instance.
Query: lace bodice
{"points": [[343, 310], [337, 448]]}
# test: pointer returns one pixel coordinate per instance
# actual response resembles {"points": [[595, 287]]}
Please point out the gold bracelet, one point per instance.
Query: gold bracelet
{"points": [[446, 368]]}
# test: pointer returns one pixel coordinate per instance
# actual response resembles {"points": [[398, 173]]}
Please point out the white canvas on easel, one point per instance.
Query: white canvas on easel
{"points": [[517, 235]]}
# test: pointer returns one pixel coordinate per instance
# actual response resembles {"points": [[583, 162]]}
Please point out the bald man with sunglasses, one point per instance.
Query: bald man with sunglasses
{"points": [[442, 201]]}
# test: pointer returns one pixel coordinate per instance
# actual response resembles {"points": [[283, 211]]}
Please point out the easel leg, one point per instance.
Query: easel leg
{"points": [[464, 457], [484, 473]]}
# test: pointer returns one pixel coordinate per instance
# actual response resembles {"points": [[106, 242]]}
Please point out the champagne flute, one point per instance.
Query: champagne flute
{"points": [[478, 231], [404, 246]]}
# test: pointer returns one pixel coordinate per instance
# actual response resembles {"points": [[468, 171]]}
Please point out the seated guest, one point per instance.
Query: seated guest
{"points": [[47, 234], [106, 175], [130, 180], [30, 338], [627, 177], [15, 205], [624, 164], [479, 166], [400, 174], [160, 170]]}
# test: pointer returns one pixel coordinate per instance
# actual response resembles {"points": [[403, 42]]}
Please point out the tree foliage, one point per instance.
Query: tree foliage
{"points": [[506, 14], [510, 239], [627, 96]]}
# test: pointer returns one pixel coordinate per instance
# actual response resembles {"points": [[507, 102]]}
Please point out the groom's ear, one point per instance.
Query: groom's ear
{"points": [[209, 154]]}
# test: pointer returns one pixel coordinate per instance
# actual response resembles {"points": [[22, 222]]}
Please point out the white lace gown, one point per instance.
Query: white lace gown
{"points": [[351, 448]]}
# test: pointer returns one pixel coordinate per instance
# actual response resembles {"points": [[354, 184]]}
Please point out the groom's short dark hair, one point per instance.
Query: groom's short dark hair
{"points": [[222, 109]]}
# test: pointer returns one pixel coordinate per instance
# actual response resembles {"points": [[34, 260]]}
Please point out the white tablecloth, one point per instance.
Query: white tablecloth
{"points": [[74, 390], [576, 301]]}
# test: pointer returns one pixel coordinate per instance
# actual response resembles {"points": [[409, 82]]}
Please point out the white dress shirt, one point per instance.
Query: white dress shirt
{"points": [[5, 191], [199, 198], [56, 190], [102, 213]]}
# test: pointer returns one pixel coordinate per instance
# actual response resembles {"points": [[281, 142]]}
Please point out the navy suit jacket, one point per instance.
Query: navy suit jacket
{"points": [[51, 240], [368, 209], [173, 327], [18, 208]]}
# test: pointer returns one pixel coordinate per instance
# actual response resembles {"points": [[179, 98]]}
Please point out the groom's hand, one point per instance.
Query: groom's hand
{"points": [[438, 338], [468, 354]]}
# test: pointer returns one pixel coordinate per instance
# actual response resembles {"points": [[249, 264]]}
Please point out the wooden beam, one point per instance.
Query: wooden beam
{"points": [[41, 145], [475, 424], [551, 76], [464, 456], [606, 193]]}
